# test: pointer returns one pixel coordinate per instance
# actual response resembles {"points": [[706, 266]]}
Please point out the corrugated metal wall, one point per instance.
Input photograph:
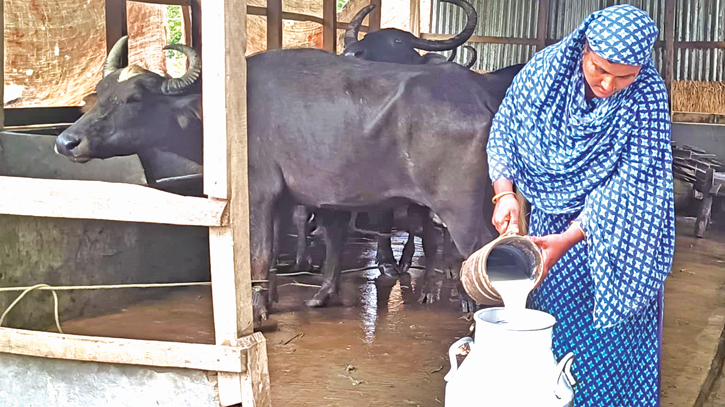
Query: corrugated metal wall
{"points": [[696, 20]]}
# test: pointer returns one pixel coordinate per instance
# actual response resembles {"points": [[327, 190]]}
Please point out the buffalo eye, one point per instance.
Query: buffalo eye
{"points": [[133, 99], [398, 41]]}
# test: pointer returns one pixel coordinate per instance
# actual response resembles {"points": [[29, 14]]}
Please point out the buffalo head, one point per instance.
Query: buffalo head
{"points": [[393, 45], [135, 109]]}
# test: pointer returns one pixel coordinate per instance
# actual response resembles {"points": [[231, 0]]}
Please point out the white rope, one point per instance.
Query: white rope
{"points": [[29, 289]]}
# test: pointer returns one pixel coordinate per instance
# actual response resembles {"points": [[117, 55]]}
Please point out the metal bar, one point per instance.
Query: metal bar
{"points": [[484, 39]]}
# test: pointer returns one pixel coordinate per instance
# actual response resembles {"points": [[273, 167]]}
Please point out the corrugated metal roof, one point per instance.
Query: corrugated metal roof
{"points": [[696, 20]]}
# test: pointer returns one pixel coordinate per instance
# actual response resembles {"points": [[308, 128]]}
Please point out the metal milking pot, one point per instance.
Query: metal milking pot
{"points": [[510, 363]]}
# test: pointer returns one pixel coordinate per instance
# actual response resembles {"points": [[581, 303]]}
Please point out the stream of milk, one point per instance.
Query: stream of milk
{"points": [[513, 285]]}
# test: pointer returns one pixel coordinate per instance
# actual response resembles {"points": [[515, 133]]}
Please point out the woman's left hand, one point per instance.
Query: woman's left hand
{"points": [[554, 246]]}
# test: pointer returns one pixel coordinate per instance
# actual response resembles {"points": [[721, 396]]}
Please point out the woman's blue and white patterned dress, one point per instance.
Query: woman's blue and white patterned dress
{"points": [[605, 163]]}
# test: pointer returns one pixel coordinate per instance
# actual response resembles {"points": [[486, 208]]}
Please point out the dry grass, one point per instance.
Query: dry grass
{"points": [[698, 96]]}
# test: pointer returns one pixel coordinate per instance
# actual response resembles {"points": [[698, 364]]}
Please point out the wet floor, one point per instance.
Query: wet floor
{"points": [[374, 346], [377, 346]]}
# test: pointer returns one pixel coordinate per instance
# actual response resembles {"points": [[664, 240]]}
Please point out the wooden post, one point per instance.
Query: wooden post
{"points": [[415, 17], [329, 28], [226, 177], [196, 24], [703, 215], [542, 24], [274, 24], [2, 64], [375, 16], [669, 46], [116, 26]]}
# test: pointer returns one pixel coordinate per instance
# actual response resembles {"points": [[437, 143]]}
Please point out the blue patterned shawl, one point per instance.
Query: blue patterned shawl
{"points": [[607, 159]]}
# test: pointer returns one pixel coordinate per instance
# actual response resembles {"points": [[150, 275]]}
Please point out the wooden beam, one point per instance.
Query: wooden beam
{"points": [[702, 118], [224, 86], [329, 28], [542, 24], [669, 57], [115, 22], [375, 17], [124, 351], [484, 39], [106, 201], [274, 24], [700, 44], [188, 34], [415, 17], [344, 26]]}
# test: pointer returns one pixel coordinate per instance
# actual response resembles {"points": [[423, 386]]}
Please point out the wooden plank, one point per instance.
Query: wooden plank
{"points": [[705, 118], [485, 39], [415, 17], [274, 24], [115, 22], [700, 44], [124, 351], [262, 11], [255, 383], [669, 57], [224, 85], [106, 201], [542, 24], [329, 30], [375, 17]]}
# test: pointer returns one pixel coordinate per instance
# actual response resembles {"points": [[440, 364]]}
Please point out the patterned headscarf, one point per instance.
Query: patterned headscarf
{"points": [[609, 159]]}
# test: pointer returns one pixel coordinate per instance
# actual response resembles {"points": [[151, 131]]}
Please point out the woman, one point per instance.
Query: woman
{"points": [[584, 134]]}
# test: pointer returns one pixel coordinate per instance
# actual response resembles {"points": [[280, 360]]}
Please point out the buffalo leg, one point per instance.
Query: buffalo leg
{"points": [[261, 248], [334, 228], [385, 257], [430, 249], [406, 259], [303, 261]]}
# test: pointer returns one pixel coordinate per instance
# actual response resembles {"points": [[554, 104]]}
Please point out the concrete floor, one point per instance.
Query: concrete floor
{"points": [[379, 347]]}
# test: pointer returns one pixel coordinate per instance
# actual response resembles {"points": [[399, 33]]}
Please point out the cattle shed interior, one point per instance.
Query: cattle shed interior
{"points": [[149, 274]]}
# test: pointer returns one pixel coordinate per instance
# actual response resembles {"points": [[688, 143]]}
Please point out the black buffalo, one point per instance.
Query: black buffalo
{"points": [[328, 132], [393, 45]]}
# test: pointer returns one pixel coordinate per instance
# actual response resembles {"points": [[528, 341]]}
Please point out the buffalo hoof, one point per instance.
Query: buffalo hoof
{"points": [[321, 298], [450, 274], [389, 269], [427, 297], [303, 264], [260, 308], [468, 305]]}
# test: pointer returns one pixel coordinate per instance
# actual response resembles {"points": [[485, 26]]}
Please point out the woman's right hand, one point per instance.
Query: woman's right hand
{"points": [[506, 214]]}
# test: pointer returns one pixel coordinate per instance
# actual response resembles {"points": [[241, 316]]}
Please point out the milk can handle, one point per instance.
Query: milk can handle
{"points": [[564, 368], [452, 353]]}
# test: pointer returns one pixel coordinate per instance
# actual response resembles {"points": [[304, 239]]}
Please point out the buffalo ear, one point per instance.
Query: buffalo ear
{"points": [[187, 109]]}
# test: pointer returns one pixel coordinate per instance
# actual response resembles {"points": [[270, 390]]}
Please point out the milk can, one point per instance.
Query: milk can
{"points": [[510, 363], [508, 251]]}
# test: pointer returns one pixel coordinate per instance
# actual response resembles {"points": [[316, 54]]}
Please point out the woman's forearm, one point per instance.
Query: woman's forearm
{"points": [[502, 185]]}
